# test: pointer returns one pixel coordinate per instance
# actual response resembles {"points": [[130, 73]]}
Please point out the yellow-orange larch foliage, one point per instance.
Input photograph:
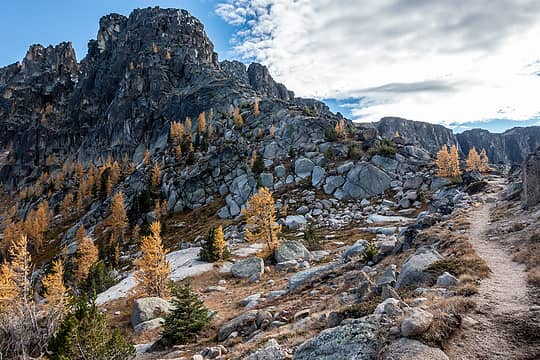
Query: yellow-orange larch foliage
{"points": [[168, 55], [443, 162], [484, 162], [155, 48], [21, 268], [201, 127], [87, 255], [118, 220], [260, 216], [272, 131], [253, 158], [178, 152], [115, 173], [340, 127], [256, 109], [67, 205], [146, 157], [187, 125], [176, 133], [454, 162], [12, 232], [219, 245], [153, 269], [8, 287], [473, 160], [36, 224], [156, 176], [210, 130], [56, 292], [238, 119], [397, 134]]}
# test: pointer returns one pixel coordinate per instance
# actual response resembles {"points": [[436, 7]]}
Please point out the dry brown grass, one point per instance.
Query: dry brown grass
{"points": [[447, 314]]}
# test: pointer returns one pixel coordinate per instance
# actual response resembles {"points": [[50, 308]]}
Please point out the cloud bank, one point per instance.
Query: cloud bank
{"points": [[432, 60]]}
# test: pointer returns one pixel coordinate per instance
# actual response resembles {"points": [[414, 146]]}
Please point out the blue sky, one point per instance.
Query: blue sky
{"points": [[458, 63]]}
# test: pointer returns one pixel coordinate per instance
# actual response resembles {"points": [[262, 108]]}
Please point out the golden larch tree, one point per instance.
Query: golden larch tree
{"points": [[21, 268], [168, 55], [238, 119], [118, 220], [443, 162], [176, 133], [156, 176], [86, 256], [153, 269], [272, 131], [454, 162], [201, 127], [473, 160], [340, 128], [56, 292], [484, 162], [220, 245], [260, 216], [256, 109], [146, 160], [187, 125], [12, 232], [155, 49], [8, 288]]}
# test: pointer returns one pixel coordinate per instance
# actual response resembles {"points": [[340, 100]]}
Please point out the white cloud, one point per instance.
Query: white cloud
{"points": [[432, 60]]}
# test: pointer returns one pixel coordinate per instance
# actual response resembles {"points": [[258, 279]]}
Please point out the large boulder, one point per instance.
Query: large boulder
{"points": [[416, 322], [295, 222], [271, 351], [365, 180], [332, 183], [357, 340], [531, 179], [240, 324], [291, 250], [149, 308], [303, 167], [354, 250], [413, 271], [408, 349], [303, 277], [248, 267]]}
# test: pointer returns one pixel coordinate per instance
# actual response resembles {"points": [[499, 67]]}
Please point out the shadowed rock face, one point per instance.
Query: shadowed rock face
{"points": [[531, 179], [511, 146], [430, 136]]}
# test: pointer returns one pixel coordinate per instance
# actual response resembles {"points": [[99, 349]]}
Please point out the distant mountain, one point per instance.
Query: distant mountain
{"points": [[511, 147]]}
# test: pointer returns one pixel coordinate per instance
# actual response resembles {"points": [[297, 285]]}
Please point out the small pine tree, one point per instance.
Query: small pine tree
{"points": [[215, 246], [188, 318], [168, 55], [176, 133], [272, 131], [8, 287], [257, 165], [85, 334], [155, 49], [340, 128], [153, 269], [260, 213]]}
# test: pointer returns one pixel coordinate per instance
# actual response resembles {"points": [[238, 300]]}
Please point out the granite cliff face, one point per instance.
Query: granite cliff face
{"points": [[431, 137], [510, 147]]}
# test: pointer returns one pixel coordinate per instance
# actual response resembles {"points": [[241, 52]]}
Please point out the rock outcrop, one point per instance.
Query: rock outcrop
{"points": [[531, 179], [510, 147]]}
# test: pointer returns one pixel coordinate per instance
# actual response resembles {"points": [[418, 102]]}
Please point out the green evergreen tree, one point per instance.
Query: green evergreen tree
{"points": [[258, 165], [214, 247], [188, 318], [85, 334]]}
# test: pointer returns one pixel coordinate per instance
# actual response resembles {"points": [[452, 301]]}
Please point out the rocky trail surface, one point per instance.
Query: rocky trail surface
{"points": [[503, 324]]}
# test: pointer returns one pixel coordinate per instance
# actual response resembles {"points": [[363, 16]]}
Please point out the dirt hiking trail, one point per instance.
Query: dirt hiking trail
{"points": [[503, 324]]}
